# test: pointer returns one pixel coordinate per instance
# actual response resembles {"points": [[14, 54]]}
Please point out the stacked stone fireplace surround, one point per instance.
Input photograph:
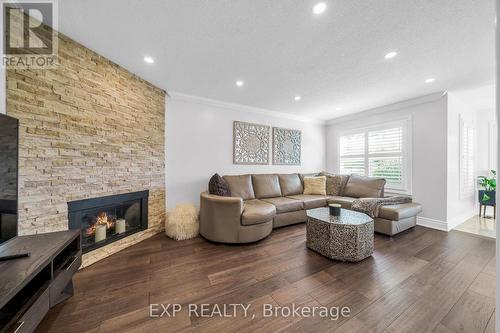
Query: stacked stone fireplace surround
{"points": [[87, 129]]}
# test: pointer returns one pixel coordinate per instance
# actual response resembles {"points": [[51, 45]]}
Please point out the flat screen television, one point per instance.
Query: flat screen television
{"points": [[9, 142]]}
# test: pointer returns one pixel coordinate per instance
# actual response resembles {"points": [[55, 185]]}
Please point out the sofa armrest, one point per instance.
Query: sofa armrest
{"points": [[400, 211], [211, 199], [220, 217]]}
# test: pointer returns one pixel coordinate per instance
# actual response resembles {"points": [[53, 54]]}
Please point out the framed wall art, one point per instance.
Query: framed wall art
{"points": [[250, 143], [286, 146]]}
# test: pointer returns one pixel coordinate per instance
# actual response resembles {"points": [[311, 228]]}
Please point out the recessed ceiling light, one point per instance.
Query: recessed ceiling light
{"points": [[297, 98], [149, 60], [430, 80], [391, 55], [319, 8], [240, 83]]}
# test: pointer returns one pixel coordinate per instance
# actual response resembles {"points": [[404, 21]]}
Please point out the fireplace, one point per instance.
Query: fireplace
{"points": [[107, 219]]}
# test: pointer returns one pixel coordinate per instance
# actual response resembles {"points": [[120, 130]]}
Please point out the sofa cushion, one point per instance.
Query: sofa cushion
{"points": [[399, 212], [266, 186], [364, 187], [335, 184], [218, 186], [290, 184], [345, 202], [315, 185], [240, 186], [303, 175], [257, 211], [310, 200], [284, 205], [281, 220]]}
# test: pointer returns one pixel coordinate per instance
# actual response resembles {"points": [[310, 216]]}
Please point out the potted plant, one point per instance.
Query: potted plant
{"points": [[488, 185]]}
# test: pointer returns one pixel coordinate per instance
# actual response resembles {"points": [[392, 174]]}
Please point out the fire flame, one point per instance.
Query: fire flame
{"points": [[102, 219]]}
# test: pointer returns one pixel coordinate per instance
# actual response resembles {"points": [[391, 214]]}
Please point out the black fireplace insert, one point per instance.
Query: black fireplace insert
{"points": [[107, 219]]}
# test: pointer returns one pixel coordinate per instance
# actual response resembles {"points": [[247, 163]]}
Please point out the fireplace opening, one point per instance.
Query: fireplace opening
{"points": [[106, 219]]}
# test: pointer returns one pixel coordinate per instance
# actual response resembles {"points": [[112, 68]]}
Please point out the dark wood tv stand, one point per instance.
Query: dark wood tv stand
{"points": [[30, 286]]}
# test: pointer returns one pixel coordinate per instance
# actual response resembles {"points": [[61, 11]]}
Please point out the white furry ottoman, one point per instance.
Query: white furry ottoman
{"points": [[182, 222]]}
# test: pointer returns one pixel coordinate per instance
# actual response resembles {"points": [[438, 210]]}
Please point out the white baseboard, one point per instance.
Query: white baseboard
{"points": [[432, 223]]}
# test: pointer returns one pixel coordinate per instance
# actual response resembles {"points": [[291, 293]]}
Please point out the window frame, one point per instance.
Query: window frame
{"points": [[406, 153], [464, 126]]}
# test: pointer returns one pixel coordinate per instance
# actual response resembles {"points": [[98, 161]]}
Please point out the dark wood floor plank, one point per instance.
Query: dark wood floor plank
{"points": [[268, 267], [484, 285], [196, 294], [372, 281], [379, 314], [490, 328], [140, 321], [301, 288], [353, 300], [470, 314], [427, 312], [384, 281], [420, 280], [490, 267], [442, 329], [331, 292]]}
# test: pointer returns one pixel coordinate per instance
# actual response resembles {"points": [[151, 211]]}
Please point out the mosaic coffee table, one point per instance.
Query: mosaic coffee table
{"points": [[348, 237]]}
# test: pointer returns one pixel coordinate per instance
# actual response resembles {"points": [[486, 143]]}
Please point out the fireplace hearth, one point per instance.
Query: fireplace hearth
{"points": [[107, 219]]}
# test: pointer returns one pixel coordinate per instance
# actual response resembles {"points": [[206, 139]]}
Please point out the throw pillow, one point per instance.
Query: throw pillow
{"points": [[218, 186], [303, 175], [315, 185], [335, 184]]}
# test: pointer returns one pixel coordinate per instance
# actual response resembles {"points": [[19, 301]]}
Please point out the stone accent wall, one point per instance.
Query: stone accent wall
{"points": [[88, 129], [8, 164]]}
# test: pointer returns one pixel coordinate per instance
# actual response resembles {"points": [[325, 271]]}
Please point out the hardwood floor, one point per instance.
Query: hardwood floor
{"points": [[422, 280]]}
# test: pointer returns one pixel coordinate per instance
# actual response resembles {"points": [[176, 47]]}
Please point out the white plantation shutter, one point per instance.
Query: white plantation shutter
{"points": [[378, 152], [386, 141], [385, 155], [390, 168], [352, 151], [353, 144], [467, 157], [492, 146], [350, 165]]}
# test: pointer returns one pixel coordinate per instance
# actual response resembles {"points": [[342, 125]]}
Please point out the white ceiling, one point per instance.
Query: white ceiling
{"points": [[280, 49]]}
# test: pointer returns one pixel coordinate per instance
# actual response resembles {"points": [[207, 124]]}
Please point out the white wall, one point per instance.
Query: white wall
{"points": [[481, 99], [428, 121], [459, 208], [200, 142]]}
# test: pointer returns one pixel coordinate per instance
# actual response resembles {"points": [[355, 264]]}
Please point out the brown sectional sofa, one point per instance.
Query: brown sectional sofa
{"points": [[261, 202]]}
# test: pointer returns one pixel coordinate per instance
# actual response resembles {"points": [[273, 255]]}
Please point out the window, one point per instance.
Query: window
{"points": [[492, 146], [381, 151], [467, 157], [352, 149]]}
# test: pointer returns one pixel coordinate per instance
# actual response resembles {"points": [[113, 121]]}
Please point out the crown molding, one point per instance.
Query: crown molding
{"points": [[390, 107], [240, 107], [245, 108]]}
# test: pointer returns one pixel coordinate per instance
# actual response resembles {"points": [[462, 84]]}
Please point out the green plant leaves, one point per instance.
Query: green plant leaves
{"points": [[489, 184]]}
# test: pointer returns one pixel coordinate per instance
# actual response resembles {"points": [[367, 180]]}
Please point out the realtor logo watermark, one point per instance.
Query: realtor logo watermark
{"points": [[206, 310], [29, 34]]}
